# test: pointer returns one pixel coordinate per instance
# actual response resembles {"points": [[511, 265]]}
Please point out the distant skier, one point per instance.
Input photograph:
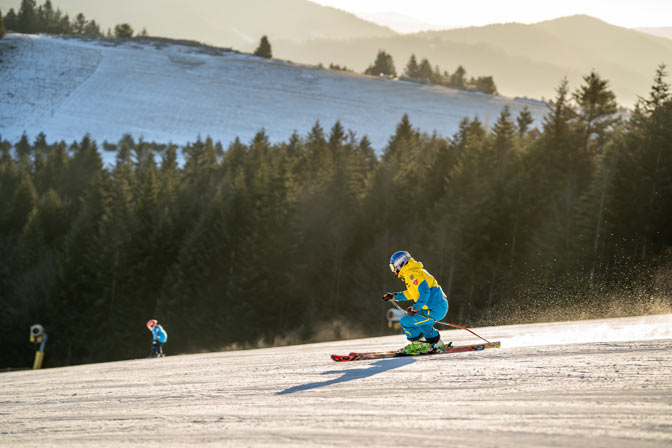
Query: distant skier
{"points": [[159, 337], [430, 302]]}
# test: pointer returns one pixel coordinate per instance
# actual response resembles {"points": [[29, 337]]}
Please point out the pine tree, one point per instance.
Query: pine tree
{"points": [[53, 175], [558, 143], [337, 137], [524, 121], [80, 23], [412, 68], [406, 159], [258, 167], [437, 77], [597, 109], [458, 79], [503, 146], [485, 84], [200, 174], [47, 15], [123, 31], [64, 26], [660, 92], [23, 151], [11, 21], [92, 29], [264, 49], [404, 132], [382, 66], [425, 71], [27, 17]]}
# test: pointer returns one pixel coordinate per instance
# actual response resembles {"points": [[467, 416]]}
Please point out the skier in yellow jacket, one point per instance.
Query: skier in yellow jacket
{"points": [[430, 304]]}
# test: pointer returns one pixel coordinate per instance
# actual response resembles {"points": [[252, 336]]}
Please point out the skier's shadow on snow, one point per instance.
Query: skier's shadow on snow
{"points": [[379, 366]]}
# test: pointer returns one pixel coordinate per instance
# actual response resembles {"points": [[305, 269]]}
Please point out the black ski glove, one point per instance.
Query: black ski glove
{"points": [[388, 296], [411, 311]]}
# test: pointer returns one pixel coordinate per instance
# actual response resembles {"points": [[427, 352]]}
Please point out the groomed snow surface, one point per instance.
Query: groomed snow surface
{"points": [[602, 383], [67, 87]]}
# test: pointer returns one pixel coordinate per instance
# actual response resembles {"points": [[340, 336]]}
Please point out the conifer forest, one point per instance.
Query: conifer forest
{"points": [[245, 244]]}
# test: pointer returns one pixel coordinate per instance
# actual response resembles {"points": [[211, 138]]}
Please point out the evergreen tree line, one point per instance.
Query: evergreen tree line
{"points": [[33, 19], [336, 67], [425, 72], [279, 242]]}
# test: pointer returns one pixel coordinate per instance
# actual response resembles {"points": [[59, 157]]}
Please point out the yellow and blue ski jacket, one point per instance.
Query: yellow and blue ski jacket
{"points": [[422, 288]]}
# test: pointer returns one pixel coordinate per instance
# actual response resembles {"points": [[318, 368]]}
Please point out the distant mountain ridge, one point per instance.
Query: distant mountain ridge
{"points": [[525, 60], [399, 22]]}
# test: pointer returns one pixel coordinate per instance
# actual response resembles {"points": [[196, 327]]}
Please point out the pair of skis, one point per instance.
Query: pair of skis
{"points": [[401, 354], [398, 354]]}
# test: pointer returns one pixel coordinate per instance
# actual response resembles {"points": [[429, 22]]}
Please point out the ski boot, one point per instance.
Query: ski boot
{"points": [[437, 345], [416, 347]]}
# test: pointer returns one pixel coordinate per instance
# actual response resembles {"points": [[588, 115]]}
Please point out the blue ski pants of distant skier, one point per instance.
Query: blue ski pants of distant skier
{"points": [[157, 349], [417, 326]]}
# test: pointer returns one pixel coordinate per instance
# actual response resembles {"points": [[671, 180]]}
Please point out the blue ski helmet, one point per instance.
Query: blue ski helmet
{"points": [[398, 260]]}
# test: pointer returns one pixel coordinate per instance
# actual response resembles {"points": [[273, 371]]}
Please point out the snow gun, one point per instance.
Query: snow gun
{"points": [[38, 336]]}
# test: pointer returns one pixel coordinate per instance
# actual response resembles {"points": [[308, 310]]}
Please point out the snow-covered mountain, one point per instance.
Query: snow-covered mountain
{"points": [[602, 383], [175, 92]]}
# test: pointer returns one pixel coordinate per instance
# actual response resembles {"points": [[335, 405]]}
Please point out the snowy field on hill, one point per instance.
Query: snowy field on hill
{"points": [[600, 383], [67, 87]]}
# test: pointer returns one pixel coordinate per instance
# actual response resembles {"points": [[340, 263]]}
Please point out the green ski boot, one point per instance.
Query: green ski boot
{"points": [[417, 348]]}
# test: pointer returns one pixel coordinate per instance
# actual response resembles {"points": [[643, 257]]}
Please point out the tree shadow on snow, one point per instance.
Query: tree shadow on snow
{"points": [[380, 366]]}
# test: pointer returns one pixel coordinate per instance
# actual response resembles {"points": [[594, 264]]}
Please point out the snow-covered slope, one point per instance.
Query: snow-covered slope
{"points": [[602, 383], [174, 93]]}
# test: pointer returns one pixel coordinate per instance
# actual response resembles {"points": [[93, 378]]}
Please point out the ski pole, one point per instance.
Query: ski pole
{"points": [[442, 323]]}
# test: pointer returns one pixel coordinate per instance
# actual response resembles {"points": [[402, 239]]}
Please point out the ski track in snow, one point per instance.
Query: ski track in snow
{"points": [[175, 93], [603, 383]]}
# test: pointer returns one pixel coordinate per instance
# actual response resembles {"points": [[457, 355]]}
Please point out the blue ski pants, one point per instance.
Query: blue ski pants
{"points": [[419, 325], [157, 349]]}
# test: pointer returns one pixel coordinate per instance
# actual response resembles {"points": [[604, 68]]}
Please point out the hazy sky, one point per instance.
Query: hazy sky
{"points": [[453, 13]]}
